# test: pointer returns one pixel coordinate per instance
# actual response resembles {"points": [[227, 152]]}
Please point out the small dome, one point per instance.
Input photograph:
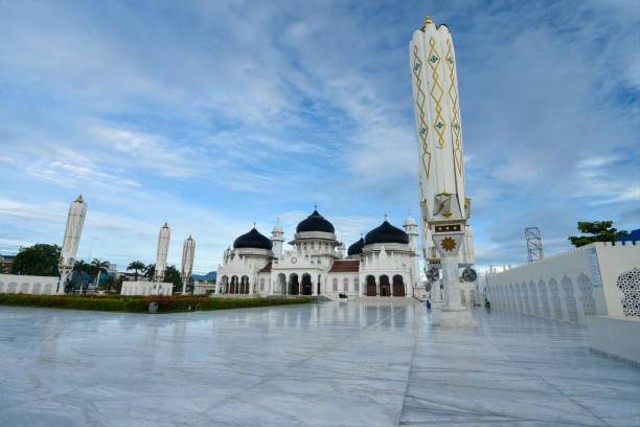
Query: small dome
{"points": [[356, 248], [315, 222], [386, 233], [253, 240]]}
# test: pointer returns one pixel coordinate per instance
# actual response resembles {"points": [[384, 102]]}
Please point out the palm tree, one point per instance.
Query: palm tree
{"points": [[136, 266], [150, 271], [97, 266], [79, 269]]}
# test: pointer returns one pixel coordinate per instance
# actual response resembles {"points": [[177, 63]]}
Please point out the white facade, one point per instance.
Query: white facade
{"points": [[597, 279], [316, 264], [35, 285]]}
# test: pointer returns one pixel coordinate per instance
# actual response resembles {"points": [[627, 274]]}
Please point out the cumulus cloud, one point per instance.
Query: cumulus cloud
{"points": [[212, 115]]}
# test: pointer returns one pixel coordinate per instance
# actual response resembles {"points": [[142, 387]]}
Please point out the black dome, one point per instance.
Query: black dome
{"points": [[254, 240], [356, 248], [386, 233], [315, 222]]}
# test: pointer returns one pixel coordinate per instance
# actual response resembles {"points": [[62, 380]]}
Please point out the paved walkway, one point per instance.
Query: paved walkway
{"points": [[361, 363]]}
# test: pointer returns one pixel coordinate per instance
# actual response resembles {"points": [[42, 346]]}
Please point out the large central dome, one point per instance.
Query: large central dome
{"points": [[253, 240], [386, 233], [315, 222]]}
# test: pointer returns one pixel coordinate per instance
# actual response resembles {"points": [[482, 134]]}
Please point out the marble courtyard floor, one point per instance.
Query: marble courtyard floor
{"points": [[361, 363]]}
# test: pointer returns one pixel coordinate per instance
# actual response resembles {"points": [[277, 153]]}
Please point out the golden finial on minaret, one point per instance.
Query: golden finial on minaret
{"points": [[427, 21]]}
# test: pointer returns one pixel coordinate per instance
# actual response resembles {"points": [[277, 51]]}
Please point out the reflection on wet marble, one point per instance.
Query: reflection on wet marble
{"points": [[361, 363]]}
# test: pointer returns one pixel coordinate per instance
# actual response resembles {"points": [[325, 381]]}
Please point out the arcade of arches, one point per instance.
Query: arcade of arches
{"points": [[382, 287], [296, 284]]}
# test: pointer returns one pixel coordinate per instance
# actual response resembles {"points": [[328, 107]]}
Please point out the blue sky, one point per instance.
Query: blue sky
{"points": [[211, 115]]}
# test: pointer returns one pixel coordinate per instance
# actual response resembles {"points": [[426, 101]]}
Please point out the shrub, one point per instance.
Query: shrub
{"points": [[139, 304]]}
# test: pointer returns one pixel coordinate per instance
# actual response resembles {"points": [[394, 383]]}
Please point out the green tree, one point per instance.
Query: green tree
{"points": [[597, 231], [96, 267], [80, 268], [37, 260], [136, 266], [172, 275], [110, 283], [149, 271]]}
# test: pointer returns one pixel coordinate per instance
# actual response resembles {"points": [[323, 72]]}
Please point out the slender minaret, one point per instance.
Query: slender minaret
{"points": [[277, 238], [445, 209], [71, 240], [188, 253], [161, 256], [411, 228]]}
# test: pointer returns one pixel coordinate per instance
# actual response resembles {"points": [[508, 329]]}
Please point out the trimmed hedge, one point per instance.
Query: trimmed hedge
{"points": [[139, 304]]}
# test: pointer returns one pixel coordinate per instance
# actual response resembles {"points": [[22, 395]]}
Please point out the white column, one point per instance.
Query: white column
{"points": [[448, 245]]}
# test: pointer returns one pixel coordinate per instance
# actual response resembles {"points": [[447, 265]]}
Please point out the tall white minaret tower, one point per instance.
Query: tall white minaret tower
{"points": [[277, 238], [71, 240], [438, 124], [411, 228], [188, 253], [163, 250]]}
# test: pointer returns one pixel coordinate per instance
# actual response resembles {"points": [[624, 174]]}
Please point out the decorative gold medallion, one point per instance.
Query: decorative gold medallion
{"points": [[448, 244]]}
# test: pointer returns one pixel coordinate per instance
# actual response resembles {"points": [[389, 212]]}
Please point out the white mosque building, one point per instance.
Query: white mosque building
{"points": [[383, 263]]}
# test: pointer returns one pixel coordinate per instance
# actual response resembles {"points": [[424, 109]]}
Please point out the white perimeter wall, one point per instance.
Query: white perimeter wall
{"points": [[37, 285], [146, 288], [586, 281]]}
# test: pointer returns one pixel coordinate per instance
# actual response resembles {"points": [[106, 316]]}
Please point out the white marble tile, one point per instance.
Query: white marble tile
{"points": [[363, 363]]}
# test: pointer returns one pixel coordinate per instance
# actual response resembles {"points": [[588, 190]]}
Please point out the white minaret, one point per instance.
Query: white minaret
{"points": [[411, 228], [277, 238], [188, 253], [71, 240], [445, 209], [163, 249]]}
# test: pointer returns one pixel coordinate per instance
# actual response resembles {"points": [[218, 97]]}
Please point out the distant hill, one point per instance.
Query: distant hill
{"points": [[210, 276]]}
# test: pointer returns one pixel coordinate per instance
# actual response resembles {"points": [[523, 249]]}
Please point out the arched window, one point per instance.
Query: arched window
{"points": [[345, 285], [335, 284], [356, 284], [262, 284]]}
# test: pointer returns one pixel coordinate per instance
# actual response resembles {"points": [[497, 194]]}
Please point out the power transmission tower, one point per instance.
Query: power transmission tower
{"points": [[534, 244]]}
